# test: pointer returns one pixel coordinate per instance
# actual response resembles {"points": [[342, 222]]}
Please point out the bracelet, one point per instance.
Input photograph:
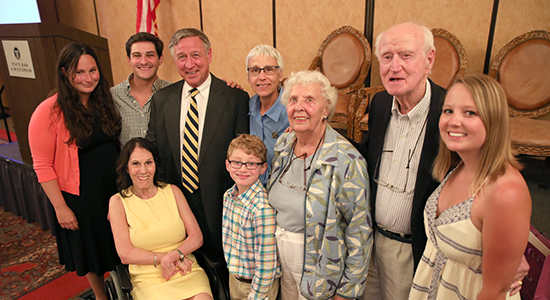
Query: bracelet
{"points": [[182, 257], [155, 254]]}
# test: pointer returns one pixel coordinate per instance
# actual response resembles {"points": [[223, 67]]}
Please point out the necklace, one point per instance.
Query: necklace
{"points": [[304, 155], [292, 159]]}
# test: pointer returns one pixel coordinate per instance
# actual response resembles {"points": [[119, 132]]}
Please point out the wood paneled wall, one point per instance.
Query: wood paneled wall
{"points": [[297, 28]]}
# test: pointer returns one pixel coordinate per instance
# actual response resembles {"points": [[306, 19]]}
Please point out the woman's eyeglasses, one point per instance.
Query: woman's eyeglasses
{"points": [[249, 165], [268, 70]]}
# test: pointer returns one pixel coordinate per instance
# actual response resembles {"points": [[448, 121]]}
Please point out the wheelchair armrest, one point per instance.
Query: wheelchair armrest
{"points": [[124, 277], [214, 265]]}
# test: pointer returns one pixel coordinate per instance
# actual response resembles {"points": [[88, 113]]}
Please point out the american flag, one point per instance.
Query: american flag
{"points": [[146, 20]]}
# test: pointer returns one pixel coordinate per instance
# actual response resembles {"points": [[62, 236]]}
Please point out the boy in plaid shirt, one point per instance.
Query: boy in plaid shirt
{"points": [[248, 226]]}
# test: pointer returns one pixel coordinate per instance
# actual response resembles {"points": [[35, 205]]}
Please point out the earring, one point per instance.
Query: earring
{"points": [[325, 118]]}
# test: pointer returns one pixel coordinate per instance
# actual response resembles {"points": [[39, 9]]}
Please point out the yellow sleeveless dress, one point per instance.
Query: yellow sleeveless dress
{"points": [[155, 225]]}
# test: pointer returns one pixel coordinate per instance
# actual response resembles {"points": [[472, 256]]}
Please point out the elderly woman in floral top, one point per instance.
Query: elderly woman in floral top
{"points": [[318, 186]]}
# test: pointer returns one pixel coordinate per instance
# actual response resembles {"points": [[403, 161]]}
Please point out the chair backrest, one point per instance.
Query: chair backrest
{"points": [[522, 67], [345, 58], [450, 58]]}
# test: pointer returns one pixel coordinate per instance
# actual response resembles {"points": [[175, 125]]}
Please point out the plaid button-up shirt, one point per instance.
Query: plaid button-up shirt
{"points": [[248, 233], [135, 119]]}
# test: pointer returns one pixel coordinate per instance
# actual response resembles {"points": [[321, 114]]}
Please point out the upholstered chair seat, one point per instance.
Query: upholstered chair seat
{"points": [[522, 67], [342, 60], [344, 57], [527, 88], [530, 136], [450, 58]]}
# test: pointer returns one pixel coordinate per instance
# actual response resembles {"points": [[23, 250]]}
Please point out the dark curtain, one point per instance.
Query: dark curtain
{"points": [[21, 193]]}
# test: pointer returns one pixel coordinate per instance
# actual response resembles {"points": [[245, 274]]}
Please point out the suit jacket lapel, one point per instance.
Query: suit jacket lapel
{"points": [[429, 149], [378, 136], [384, 120], [214, 110], [172, 111]]}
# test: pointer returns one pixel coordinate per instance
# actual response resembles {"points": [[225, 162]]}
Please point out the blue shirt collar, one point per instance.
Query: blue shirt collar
{"points": [[274, 111]]}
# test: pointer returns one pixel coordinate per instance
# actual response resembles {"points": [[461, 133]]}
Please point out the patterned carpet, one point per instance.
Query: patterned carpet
{"points": [[28, 256]]}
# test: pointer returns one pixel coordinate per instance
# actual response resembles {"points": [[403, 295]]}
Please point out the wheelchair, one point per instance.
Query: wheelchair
{"points": [[119, 286]]}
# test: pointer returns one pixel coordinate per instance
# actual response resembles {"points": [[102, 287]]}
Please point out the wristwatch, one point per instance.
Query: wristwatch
{"points": [[181, 254]]}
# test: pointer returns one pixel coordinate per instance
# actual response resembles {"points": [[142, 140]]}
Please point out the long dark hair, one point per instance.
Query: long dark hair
{"points": [[124, 181], [78, 118]]}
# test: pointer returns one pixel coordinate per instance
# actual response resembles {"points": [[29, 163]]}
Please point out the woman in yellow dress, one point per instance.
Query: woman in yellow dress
{"points": [[154, 229]]}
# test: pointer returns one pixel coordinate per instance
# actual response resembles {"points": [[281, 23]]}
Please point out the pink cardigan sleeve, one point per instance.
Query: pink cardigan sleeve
{"points": [[42, 141], [52, 157]]}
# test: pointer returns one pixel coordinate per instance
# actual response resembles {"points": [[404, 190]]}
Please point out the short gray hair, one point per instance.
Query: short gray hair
{"points": [[265, 50], [188, 32], [426, 32], [312, 77]]}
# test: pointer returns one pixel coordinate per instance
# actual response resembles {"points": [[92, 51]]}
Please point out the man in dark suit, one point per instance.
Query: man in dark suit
{"points": [[222, 115], [402, 145]]}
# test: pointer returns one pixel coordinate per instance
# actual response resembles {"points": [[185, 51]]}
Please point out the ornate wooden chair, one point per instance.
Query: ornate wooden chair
{"points": [[450, 58], [522, 67], [345, 58], [450, 63], [361, 118]]}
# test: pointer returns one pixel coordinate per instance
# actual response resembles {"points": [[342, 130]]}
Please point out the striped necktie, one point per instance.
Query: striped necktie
{"points": [[189, 154]]}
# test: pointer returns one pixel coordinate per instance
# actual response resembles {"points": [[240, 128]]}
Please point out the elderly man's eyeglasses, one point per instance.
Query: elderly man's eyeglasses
{"points": [[385, 184], [391, 186], [249, 165], [268, 70]]}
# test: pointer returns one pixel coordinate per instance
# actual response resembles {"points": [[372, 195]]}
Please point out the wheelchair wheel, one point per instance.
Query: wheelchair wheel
{"points": [[110, 290]]}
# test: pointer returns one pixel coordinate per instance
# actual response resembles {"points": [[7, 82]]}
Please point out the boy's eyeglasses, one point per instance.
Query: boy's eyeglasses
{"points": [[249, 165], [268, 70]]}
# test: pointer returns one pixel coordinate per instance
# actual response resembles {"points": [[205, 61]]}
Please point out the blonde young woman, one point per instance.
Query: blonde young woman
{"points": [[477, 220]]}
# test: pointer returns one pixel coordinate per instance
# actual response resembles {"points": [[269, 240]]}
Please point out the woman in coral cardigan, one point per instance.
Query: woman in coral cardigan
{"points": [[73, 140]]}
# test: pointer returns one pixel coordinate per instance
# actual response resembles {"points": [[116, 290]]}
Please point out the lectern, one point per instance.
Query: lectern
{"points": [[45, 41]]}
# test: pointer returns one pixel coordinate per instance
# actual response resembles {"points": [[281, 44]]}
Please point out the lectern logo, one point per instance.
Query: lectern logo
{"points": [[18, 58], [17, 53]]}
